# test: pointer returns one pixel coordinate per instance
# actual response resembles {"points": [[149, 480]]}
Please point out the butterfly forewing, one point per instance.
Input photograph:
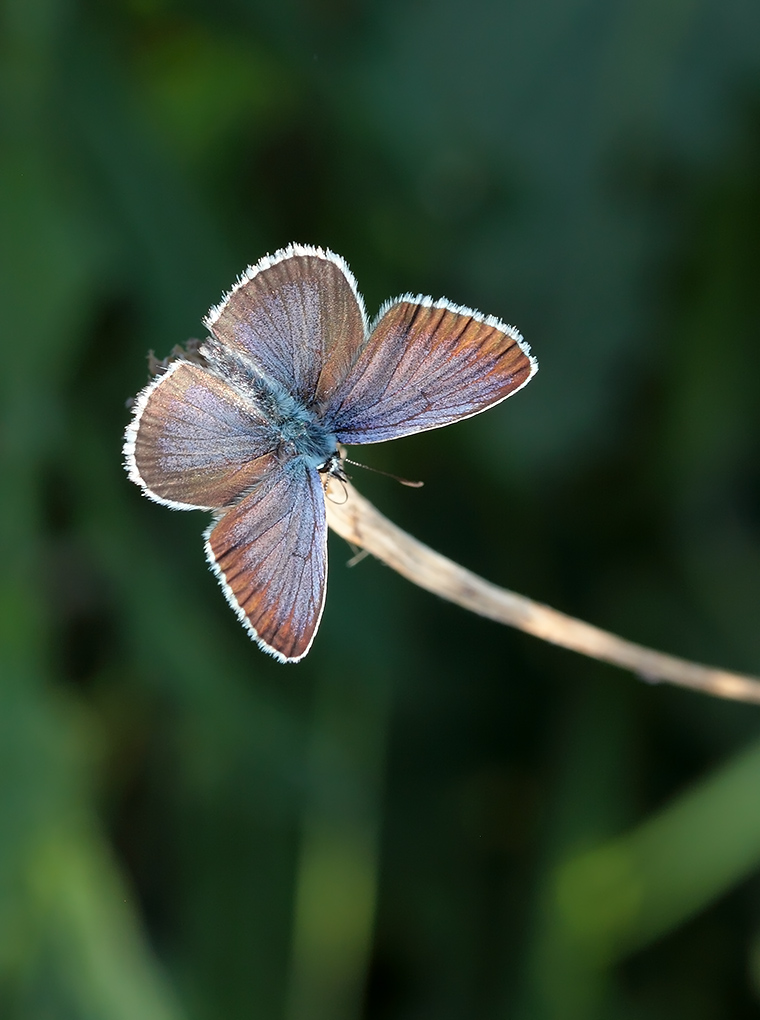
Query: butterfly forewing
{"points": [[298, 317], [427, 364], [270, 552], [195, 442]]}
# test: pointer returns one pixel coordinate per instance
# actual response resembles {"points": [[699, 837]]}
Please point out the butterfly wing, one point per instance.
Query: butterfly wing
{"points": [[195, 442], [297, 316], [427, 364], [269, 552]]}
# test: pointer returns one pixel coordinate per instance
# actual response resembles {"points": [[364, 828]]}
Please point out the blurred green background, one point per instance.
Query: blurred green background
{"points": [[431, 817]]}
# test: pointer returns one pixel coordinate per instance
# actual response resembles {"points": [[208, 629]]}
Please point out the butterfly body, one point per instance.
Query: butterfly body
{"points": [[295, 428], [290, 371]]}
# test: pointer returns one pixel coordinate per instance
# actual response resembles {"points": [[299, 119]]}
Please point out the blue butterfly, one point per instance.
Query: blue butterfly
{"points": [[290, 370]]}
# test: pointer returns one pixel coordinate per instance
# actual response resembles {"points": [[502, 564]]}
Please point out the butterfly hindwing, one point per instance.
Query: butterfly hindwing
{"points": [[427, 364], [270, 554], [298, 317], [195, 442]]}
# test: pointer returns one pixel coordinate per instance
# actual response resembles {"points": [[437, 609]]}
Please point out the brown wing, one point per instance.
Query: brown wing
{"points": [[427, 364], [194, 442], [298, 317], [270, 555]]}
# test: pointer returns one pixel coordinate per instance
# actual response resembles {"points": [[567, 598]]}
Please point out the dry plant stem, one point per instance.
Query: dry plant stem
{"points": [[356, 520]]}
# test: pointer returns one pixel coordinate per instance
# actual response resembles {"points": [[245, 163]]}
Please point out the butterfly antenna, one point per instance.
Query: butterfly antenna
{"points": [[377, 471]]}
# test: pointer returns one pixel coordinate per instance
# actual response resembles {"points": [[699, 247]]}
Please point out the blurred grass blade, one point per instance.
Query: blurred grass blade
{"points": [[622, 895], [336, 882]]}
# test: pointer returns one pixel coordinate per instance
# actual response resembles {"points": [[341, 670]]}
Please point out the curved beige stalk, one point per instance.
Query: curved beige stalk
{"points": [[356, 520]]}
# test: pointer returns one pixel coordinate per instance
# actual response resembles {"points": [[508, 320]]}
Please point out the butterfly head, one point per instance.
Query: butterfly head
{"points": [[333, 466]]}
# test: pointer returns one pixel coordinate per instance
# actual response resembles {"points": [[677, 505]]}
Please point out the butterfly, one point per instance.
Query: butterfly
{"points": [[290, 370]]}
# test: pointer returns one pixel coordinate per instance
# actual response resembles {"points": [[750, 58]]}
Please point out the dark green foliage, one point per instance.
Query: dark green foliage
{"points": [[431, 817]]}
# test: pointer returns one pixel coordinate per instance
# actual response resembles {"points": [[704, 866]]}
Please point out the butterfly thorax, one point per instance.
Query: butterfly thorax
{"points": [[297, 431], [301, 435]]}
